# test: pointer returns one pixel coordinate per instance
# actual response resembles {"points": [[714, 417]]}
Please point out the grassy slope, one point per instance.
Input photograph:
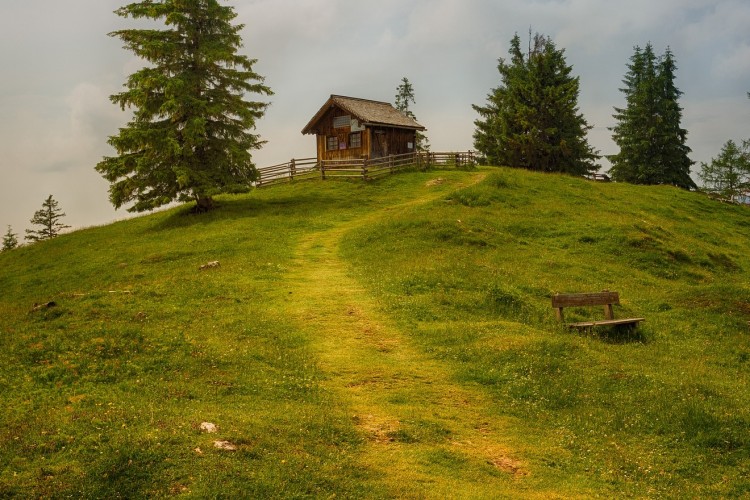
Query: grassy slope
{"points": [[389, 339]]}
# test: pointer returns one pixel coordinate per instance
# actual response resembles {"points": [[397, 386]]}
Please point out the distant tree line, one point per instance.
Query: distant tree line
{"points": [[531, 120]]}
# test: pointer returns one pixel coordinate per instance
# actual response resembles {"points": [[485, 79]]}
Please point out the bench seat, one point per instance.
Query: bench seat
{"points": [[606, 322]]}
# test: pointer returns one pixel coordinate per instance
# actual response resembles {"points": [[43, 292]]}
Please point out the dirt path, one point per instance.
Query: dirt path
{"points": [[426, 435]]}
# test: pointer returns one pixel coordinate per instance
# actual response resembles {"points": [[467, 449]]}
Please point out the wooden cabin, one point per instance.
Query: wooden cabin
{"points": [[351, 128]]}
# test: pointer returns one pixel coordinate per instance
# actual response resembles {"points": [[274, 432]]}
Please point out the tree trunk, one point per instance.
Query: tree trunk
{"points": [[204, 204]]}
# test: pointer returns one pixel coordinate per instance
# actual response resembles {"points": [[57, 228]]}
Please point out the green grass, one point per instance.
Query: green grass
{"points": [[659, 411], [384, 339]]}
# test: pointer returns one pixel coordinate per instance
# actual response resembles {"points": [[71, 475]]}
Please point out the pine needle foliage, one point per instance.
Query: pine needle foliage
{"points": [[48, 220], [405, 97], [728, 175], [652, 143], [532, 119], [190, 136], [10, 240]]}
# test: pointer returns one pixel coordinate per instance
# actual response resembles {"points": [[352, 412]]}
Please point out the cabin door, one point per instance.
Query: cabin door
{"points": [[379, 144]]}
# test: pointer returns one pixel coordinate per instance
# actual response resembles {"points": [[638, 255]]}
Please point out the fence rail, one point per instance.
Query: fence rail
{"points": [[283, 172], [363, 168]]}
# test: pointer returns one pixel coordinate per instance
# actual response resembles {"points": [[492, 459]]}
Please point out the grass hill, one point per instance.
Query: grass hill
{"points": [[384, 339]]}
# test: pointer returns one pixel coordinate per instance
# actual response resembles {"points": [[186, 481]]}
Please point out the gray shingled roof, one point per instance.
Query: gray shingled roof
{"points": [[367, 112]]}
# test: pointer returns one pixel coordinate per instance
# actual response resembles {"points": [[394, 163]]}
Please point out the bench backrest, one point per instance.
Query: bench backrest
{"points": [[585, 299], [605, 298]]}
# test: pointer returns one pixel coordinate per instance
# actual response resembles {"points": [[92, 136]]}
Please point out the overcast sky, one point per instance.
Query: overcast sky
{"points": [[59, 67]]}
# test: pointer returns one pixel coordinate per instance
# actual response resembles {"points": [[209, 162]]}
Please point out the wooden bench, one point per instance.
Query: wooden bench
{"points": [[605, 298]]}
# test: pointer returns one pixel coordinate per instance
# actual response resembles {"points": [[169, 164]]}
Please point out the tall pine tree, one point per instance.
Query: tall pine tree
{"points": [[652, 143], [190, 136], [532, 119], [497, 123], [638, 114]]}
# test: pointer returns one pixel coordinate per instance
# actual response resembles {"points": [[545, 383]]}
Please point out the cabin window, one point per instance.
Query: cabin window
{"points": [[342, 121], [332, 143], [355, 140]]}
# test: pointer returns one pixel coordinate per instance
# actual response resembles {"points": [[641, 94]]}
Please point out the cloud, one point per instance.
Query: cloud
{"points": [[734, 64], [50, 147], [47, 134]]}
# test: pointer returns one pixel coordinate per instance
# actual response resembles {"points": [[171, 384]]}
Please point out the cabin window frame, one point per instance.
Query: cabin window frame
{"points": [[355, 144], [332, 143]]}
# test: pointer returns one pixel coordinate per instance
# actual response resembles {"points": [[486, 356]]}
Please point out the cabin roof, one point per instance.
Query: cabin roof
{"points": [[366, 111]]}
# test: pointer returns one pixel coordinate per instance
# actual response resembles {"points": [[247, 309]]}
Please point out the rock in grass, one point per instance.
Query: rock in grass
{"points": [[225, 445], [209, 265], [208, 427]]}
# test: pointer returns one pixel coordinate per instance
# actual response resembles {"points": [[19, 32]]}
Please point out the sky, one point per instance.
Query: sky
{"points": [[59, 68]]}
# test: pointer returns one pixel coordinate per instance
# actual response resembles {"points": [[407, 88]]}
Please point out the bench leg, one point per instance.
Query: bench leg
{"points": [[608, 312]]}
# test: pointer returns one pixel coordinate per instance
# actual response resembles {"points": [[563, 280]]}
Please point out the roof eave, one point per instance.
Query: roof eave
{"points": [[391, 125]]}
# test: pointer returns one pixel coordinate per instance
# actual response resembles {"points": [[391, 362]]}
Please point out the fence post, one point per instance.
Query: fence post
{"points": [[364, 169], [292, 169], [390, 163], [322, 169]]}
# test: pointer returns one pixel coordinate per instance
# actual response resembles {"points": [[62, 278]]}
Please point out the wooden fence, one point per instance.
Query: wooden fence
{"points": [[284, 172], [362, 168]]}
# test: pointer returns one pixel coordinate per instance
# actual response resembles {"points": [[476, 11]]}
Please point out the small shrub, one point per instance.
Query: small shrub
{"points": [[497, 181], [472, 197]]}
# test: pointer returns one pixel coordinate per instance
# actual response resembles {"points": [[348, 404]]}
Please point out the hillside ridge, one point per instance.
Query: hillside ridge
{"points": [[384, 339]]}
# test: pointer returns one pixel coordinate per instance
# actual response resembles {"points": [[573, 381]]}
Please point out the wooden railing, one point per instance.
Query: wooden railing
{"points": [[453, 158], [363, 168], [283, 172]]}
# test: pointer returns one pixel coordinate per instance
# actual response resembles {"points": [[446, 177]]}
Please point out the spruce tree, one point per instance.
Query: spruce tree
{"points": [[532, 119], [48, 218], [728, 175], [497, 123], [10, 240], [190, 136], [673, 153], [652, 143], [405, 97], [635, 148]]}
